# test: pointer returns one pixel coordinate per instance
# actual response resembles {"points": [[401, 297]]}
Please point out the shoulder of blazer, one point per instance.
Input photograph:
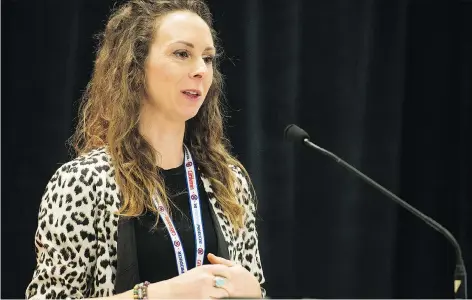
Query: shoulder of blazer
{"points": [[65, 236]]}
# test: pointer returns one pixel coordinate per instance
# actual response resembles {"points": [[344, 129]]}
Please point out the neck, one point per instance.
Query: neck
{"points": [[165, 136]]}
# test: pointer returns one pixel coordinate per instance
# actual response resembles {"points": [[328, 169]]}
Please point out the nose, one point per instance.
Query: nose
{"points": [[199, 70]]}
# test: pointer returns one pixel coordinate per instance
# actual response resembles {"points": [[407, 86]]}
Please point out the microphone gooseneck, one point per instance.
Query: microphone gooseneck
{"points": [[295, 134]]}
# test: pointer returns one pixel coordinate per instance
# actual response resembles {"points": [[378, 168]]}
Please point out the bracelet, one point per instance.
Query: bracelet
{"points": [[140, 291]]}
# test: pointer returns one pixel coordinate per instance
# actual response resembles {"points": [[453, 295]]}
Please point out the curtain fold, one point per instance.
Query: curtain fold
{"points": [[386, 85]]}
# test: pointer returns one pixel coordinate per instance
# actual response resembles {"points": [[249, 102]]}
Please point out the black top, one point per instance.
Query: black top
{"points": [[155, 252]]}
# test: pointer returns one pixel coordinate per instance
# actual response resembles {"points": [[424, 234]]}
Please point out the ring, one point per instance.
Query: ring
{"points": [[219, 281]]}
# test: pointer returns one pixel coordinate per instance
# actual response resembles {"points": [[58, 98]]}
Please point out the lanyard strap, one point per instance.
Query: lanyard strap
{"points": [[194, 201]]}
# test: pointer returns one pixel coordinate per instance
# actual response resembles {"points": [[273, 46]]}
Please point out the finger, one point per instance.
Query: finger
{"points": [[218, 293], [215, 259], [219, 260], [222, 282], [217, 270]]}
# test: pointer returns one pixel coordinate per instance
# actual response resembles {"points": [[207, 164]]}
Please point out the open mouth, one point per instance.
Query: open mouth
{"points": [[192, 93]]}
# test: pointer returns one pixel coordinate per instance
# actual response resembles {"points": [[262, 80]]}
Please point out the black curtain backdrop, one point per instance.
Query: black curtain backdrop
{"points": [[384, 84]]}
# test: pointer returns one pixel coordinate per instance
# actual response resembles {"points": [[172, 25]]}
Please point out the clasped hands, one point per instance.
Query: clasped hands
{"points": [[220, 279], [238, 282]]}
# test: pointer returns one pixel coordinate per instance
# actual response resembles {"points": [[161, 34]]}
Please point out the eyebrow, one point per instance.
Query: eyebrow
{"points": [[191, 45]]}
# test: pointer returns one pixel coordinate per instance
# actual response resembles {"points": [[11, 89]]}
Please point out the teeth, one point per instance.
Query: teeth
{"points": [[190, 92]]}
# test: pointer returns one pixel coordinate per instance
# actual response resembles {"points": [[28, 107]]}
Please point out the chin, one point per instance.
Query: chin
{"points": [[189, 115]]}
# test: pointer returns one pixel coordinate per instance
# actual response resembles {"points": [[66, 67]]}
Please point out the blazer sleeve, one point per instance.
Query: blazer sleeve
{"points": [[251, 259], [65, 222]]}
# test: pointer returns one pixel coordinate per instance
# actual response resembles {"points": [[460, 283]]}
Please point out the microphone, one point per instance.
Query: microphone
{"points": [[295, 134]]}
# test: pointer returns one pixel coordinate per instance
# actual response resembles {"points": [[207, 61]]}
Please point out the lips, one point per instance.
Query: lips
{"points": [[195, 93]]}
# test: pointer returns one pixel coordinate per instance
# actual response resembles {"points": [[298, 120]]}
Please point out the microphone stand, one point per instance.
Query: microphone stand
{"points": [[460, 274]]}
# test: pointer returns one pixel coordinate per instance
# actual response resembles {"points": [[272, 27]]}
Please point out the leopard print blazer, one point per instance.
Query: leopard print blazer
{"points": [[77, 233]]}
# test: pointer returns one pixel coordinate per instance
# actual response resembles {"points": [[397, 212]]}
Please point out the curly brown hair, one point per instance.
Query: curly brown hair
{"points": [[110, 108]]}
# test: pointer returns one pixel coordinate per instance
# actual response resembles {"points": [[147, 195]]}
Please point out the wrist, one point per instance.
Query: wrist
{"points": [[159, 290], [140, 291], [258, 292]]}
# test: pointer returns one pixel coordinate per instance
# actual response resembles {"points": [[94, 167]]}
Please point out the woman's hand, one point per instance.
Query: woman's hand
{"points": [[197, 283], [239, 283]]}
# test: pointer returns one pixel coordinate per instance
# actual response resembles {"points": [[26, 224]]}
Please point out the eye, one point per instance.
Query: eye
{"points": [[182, 53], [209, 59]]}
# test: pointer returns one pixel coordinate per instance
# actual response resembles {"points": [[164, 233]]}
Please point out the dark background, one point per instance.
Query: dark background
{"points": [[384, 84]]}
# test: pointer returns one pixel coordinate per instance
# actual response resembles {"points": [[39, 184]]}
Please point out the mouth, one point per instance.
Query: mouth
{"points": [[192, 93]]}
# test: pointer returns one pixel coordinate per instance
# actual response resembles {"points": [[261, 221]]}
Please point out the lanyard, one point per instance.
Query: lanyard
{"points": [[194, 201]]}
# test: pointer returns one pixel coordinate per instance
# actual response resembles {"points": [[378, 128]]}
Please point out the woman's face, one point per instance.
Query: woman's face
{"points": [[179, 69]]}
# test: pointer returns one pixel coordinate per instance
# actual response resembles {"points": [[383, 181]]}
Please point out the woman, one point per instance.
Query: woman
{"points": [[154, 206]]}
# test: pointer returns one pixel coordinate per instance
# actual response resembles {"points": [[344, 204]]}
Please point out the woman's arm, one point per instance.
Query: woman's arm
{"points": [[251, 258], [66, 252], [158, 290], [64, 216]]}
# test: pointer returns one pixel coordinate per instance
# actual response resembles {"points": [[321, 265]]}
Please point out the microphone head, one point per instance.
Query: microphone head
{"points": [[294, 133]]}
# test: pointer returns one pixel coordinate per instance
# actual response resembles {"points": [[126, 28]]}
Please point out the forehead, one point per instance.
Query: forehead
{"points": [[183, 25]]}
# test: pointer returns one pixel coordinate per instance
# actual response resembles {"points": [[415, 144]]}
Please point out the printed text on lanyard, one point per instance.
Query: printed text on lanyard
{"points": [[194, 201]]}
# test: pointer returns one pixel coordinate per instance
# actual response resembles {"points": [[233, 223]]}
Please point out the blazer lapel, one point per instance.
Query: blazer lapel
{"points": [[127, 273], [222, 244]]}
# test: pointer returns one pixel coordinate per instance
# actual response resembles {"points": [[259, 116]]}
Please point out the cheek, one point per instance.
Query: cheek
{"points": [[209, 79], [158, 75], [159, 80]]}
